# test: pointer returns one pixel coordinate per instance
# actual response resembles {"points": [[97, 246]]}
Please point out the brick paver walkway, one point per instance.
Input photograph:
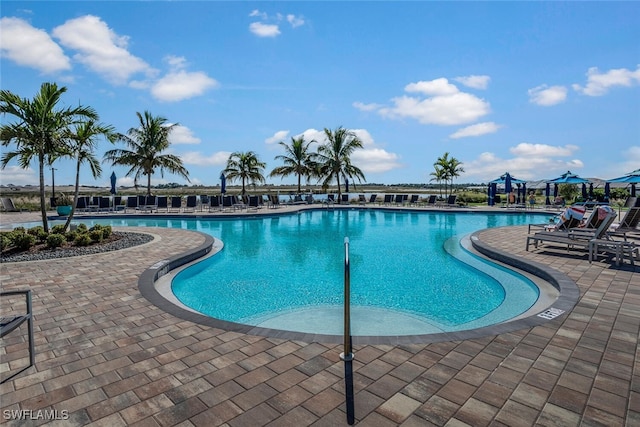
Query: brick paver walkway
{"points": [[108, 357]]}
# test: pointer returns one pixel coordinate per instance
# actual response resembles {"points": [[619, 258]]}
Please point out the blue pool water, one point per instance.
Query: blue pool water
{"points": [[409, 273]]}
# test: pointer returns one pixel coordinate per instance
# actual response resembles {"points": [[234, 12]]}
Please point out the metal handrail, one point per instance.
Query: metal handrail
{"points": [[348, 356]]}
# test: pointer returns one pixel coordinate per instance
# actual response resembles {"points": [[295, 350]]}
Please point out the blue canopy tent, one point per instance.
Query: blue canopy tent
{"points": [[507, 181], [632, 178]]}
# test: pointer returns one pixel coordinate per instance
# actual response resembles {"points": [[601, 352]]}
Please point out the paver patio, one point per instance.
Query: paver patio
{"points": [[107, 357]]}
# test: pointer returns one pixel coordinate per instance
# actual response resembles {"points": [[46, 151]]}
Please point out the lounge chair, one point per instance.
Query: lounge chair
{"points": [[413, 200], [132, 203], [574, 236], [372, 198], [361, 199], [12, 320], [452, 201], [344, 199], [628, 224], [432, 200], [214, 203], [117, 202], [176, 204], [254, 202], [162, 203], [388, 199], [150, 204], [104, 204], [570, 218], [192, 202], [399, 199], [9, 206], [82, 204], [204, 201]]}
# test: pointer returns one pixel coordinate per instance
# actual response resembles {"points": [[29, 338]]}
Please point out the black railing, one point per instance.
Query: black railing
{"points": [[347, 356]]}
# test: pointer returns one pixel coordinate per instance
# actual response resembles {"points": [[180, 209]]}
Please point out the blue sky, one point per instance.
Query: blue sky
{"points": [[533, 88]]}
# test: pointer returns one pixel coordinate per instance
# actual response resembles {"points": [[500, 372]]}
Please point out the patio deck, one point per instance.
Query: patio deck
{"points": [[108, 357]]}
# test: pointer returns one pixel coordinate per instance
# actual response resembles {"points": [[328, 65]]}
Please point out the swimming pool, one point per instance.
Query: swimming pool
{"points": [[409, 273]]}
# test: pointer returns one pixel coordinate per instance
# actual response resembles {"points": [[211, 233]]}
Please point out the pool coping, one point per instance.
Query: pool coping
{"points": [[568, 297]]}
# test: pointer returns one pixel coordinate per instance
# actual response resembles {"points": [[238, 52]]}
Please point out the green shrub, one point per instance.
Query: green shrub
{"points": [[20, 230], [38, 232], [55, 240], [5, 241], [57, 229], [24, 241], [96, 235], [71, 235], [82, 228], [82, 239], [106, 231]]}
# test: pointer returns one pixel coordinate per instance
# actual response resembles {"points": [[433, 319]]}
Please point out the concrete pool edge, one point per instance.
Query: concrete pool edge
{"points": [[568, 297]]}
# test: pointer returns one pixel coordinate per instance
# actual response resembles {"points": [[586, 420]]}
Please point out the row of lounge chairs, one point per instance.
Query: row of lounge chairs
{"points": [[598, 234], [405, 200]]}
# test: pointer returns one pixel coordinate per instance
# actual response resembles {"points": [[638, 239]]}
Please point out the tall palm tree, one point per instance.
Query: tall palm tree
{"points": [[334, 157], [146, 143], [246, 166], [82, 143], [447, 169], [297, 160], [39, 130], [438, 175]]}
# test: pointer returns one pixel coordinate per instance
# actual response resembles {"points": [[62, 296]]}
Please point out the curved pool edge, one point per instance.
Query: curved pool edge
{"points": [[568, 297]]}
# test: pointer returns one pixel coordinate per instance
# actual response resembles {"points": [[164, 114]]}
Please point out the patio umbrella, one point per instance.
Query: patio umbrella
{"points": [[584, 191], [632, 178], [568, 178], [113, 183], [607, 191], [346, 185], [591, 190], [491, 192], [507, 183], [547, 193], [223, 183]]}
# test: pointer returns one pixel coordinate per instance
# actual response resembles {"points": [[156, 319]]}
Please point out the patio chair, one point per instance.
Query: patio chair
{"points": [[176, 204], [432, 200], [204, 201], [372, 199], [9, 206], [192, 203], [150, 204], [574, 236], [104, 204], [275, 200], [399, 199], [214, 203], [132, 203], [414, 200], [570, 218], [82, 204], [344, 199], [628, 223], [452, 201], [361, 199], [12, 320], [162, 203], [254, 202], [117, 203]]}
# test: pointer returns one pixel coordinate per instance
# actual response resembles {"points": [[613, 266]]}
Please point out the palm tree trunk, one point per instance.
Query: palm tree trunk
{"points": [[148, 184], [299, 178], [43, 206], [75, 197], [339, 190]]}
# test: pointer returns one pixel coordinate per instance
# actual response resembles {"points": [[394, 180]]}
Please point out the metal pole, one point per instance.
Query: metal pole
{"points": [[53, 183], [348, 355]]}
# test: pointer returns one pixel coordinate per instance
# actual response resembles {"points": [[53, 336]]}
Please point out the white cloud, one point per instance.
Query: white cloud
{"points": [[599, 83], [198, 159], [454, 109], [525, 149], [435, 87], [295, 21], [17, 176], [281, 135], [100, 48], [443, 105], [31, 47], [366, 107], [476, 130], [180, 85], [473, 81], [257, 13], [547, 96], [264, 30], [528, 162], [370, 159], [183, 135]]}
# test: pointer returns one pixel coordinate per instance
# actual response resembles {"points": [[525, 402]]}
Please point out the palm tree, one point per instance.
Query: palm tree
{"points": [[82, 143], [334, 157], [297, 160], [147, 142], [438, 176], [39, 130], [447, 169], [245, 166]]}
